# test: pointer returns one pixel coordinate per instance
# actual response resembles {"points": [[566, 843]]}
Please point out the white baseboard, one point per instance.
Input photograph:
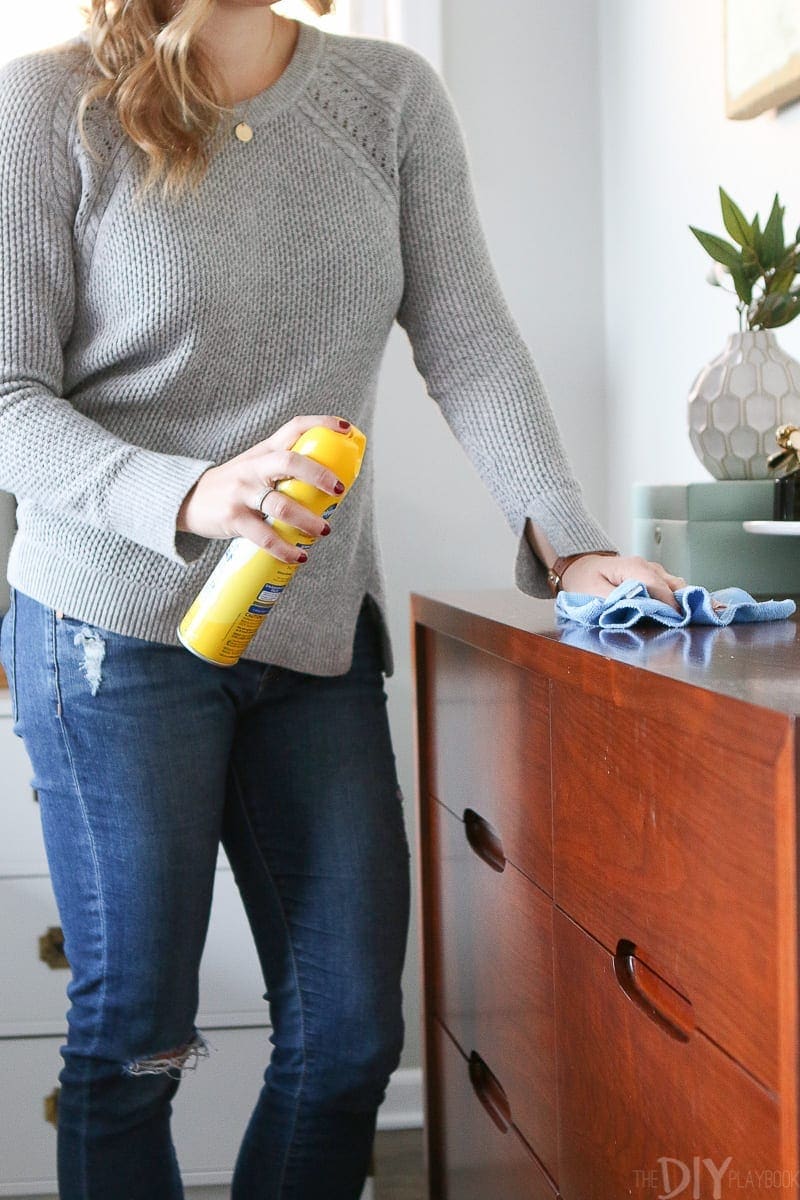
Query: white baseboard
{"points": [[403, 1108]]}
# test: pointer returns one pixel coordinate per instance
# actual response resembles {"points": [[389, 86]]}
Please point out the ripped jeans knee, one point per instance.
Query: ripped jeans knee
{"points": [[168, 1061]]}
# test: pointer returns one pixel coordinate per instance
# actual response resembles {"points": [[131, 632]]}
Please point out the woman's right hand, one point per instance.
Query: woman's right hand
{"points": [[222, 503]]}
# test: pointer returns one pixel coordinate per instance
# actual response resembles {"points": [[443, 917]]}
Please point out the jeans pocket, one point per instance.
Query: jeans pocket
{"points": [[8, 650]]}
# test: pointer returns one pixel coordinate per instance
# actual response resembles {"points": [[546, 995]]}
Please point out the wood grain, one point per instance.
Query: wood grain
{"points": [[493, 987], [630, 1096], [478, 1159], [756, 664], [490, 749], [421, 646], [668, 766], [673, 844]]}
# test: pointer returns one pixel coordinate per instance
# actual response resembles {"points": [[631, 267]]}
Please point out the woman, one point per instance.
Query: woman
{"points": [[211, 217]]}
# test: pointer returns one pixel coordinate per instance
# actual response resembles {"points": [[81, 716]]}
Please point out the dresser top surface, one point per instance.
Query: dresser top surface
{"points": [[758, 663]]}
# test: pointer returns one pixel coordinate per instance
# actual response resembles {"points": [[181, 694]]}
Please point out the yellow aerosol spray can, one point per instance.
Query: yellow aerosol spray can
{"points": [[248, 580]]}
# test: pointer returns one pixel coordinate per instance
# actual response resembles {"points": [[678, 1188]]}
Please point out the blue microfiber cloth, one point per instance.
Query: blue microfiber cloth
{"points": [[630, 602], [696, 645]]}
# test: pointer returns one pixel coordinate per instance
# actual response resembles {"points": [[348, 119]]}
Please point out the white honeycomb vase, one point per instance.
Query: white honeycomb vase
{"points": [[738, 400]]}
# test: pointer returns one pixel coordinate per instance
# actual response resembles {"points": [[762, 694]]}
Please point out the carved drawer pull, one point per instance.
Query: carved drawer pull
{"points": [[51, 1106], [484, 839], [489, 1091], [51, 948], [657, 999]]}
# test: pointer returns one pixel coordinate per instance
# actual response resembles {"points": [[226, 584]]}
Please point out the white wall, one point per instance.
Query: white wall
{"points": [[667, 146], [524, 78]]}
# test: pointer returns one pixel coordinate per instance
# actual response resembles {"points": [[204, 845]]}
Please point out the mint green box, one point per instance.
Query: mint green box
{"points": [[695, 530]]}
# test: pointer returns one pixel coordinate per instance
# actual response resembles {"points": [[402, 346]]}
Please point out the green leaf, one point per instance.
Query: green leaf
{"points": [[773, 248], [720, 250], [790, 259], [776, 322], [737, 226], [792, 309], [750, 261], [775, 310], [780, 280], [744, 287]]}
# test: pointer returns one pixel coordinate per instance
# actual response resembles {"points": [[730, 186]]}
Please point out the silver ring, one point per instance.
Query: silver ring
{"points": [[267, 516]]}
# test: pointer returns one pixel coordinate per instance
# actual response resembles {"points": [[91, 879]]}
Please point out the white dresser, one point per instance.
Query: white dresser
{"points": [[215, 1099]]}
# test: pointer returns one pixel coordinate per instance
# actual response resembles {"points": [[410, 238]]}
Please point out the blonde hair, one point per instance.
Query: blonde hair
{"points": [[161, 85]]}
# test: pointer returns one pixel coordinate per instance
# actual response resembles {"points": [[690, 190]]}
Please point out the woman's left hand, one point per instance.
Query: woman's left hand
{"points": [[599, 574]]}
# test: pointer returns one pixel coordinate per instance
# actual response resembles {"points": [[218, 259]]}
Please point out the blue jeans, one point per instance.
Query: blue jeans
{"points": [[144, 758]]}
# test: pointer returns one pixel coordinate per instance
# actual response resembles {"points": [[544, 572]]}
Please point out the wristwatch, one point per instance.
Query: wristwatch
{"points": [[560, 565]]}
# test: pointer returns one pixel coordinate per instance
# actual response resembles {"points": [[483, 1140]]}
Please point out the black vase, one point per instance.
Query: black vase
{"points": [[786, 498]]}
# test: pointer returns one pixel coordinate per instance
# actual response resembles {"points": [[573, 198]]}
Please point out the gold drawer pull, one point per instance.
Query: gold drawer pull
{"points": [[51, 948], [489, 1091], [660, 1001], [484, 839], [51, 1106]]}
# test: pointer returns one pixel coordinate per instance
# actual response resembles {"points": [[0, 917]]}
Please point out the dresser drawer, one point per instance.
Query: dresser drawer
{"points": [[493, 969], [489, 748], [210, 1111], [21, 845], [34, 999], [215, 1101], [675, 851], [643, 1106], [475, 1154], [29, 1069], [22, 849]]}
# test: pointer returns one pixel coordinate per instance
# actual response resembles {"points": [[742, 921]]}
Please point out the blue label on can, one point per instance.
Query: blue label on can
{"points": [[269, 593]]}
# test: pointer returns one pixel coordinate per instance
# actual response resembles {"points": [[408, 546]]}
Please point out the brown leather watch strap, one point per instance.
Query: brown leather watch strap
{"points": [[560, 565]]}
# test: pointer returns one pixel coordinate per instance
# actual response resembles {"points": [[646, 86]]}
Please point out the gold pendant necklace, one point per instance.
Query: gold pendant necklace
{"points": [[242, 130]]}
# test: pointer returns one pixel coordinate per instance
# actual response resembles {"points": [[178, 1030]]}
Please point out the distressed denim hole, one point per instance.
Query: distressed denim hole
{"points": [[171, 1060], [94, 651]]}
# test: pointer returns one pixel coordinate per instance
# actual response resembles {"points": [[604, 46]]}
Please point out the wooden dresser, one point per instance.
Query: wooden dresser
{"points": [[607, 848]]}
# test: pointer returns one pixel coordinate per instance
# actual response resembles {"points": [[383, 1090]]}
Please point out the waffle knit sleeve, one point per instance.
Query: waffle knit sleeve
{"points": [[49, 451], [469, 350]]}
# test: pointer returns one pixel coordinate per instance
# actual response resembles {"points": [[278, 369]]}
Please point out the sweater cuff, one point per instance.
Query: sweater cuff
{"points": [[146, 498], [568, 526]]}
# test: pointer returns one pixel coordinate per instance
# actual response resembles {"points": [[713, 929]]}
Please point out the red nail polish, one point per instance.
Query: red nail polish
{"points": [[325, 531], [344, 424], [339, 488], [302, 558]]}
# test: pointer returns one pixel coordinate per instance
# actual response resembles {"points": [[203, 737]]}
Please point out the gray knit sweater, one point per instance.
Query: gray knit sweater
{"points": [[142, 344]]}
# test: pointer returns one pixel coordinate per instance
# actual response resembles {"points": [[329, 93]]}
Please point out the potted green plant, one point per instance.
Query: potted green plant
{"points": [[737, 401]]}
